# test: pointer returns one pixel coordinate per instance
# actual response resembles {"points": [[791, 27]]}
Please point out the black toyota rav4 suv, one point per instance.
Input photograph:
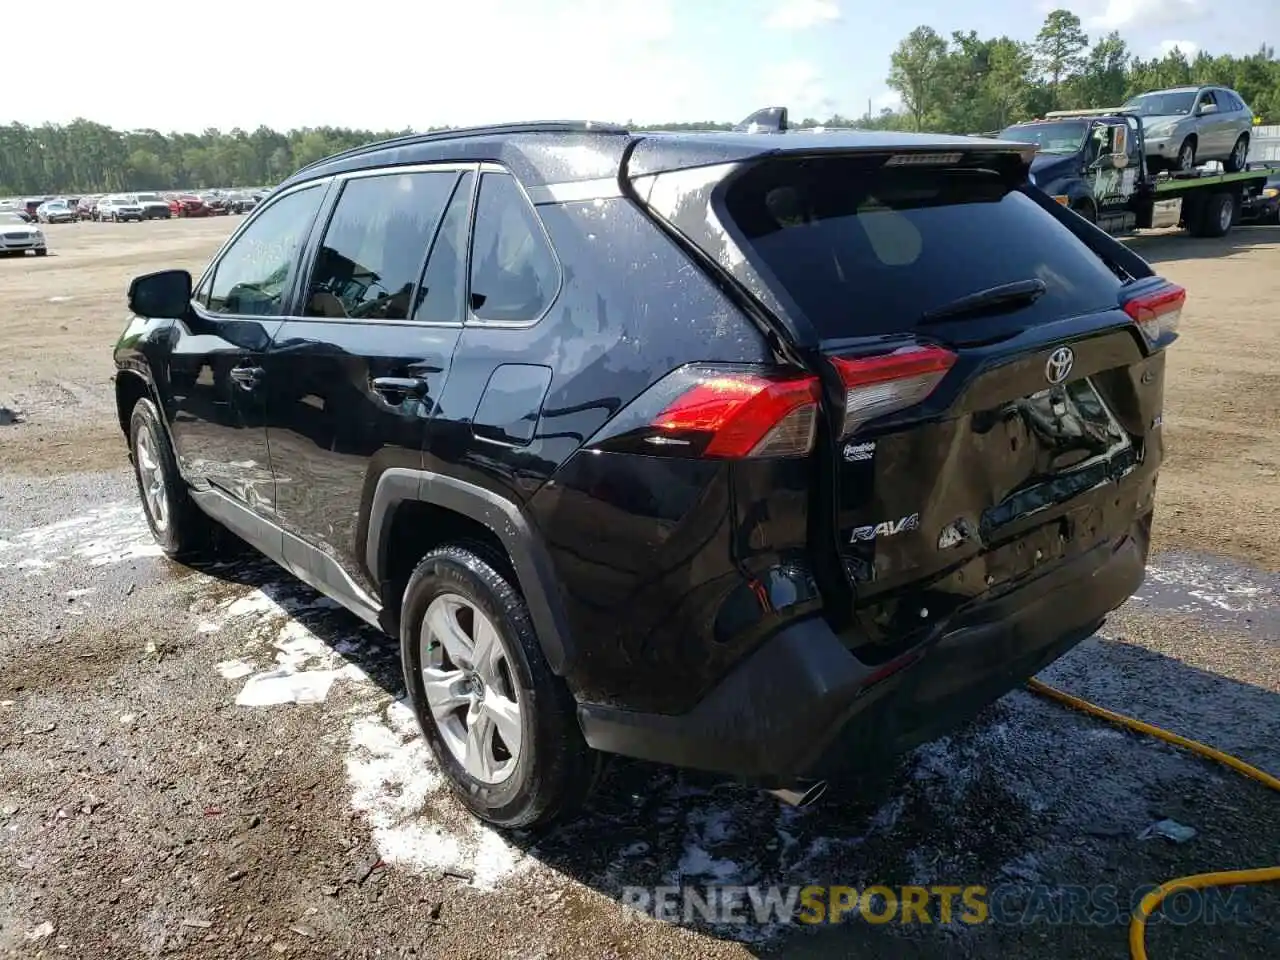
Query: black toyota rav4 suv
{"points": [[763, 454]]}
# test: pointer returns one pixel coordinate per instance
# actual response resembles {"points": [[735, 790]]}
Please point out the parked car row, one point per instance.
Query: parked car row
{"points": [[123, 207]]}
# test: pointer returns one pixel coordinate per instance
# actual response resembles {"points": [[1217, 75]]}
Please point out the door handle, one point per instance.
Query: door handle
{"points": [[400, 387], [247, 377]]}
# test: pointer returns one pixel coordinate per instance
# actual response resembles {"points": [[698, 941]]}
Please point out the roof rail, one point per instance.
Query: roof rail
{"points": [[454, 133]]}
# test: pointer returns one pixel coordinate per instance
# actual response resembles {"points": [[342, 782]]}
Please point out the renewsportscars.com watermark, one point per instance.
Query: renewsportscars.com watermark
{"points": [[971, 905]]}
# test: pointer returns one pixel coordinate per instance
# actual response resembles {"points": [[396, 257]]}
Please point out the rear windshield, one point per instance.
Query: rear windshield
{"points": [[863, 249]]}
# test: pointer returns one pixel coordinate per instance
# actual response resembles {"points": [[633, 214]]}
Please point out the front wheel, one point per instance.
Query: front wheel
{"points": [[503, 728], [1186, 155], [1086, 208], [42, 252], [177, 524]]}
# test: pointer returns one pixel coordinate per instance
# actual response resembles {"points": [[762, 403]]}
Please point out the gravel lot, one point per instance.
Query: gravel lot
{"points": [[148, 807]]}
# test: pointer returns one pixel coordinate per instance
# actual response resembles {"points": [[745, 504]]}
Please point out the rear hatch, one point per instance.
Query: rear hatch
{"points": [[991, 405]]}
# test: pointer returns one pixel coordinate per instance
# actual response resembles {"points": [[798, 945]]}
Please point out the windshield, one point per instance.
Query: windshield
{"points": [[1065, 137], [12, 218], [1162, 104]]}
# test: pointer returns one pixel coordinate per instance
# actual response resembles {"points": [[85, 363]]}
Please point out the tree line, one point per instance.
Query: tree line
{"points": [[965, 84]]}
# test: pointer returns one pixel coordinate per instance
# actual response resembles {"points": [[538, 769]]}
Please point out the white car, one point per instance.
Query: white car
{"points": [[17, 236], [120, 207], [56, 211]]}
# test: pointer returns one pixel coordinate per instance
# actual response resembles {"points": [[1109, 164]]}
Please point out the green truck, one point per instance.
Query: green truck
{"points": [[1094, 162]]}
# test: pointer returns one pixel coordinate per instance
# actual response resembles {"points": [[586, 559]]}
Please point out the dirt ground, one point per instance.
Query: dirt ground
{"points": [[149, 808]]}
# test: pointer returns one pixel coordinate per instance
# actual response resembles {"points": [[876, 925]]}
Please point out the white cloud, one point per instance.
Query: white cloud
{"points": [[798, 86], [1119, 14], [886, 100], [1189, 48], [802, 14]]}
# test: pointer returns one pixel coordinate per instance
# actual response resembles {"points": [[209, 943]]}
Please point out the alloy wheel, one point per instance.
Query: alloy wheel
{"points": [[1239, 154], [470, 688], [151, 477], [1226, 215]]}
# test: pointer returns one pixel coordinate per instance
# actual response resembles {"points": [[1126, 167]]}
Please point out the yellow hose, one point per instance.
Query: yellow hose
{"points": [[1219, 878]]}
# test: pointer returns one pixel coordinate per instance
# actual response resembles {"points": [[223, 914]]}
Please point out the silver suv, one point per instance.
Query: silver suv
{"points": [[1186, 126]]}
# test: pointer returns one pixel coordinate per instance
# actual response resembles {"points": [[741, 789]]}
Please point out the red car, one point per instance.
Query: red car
{"points": [[186, 205]]}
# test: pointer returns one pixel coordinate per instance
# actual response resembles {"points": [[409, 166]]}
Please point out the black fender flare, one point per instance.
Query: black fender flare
{"points": [[529, 557], [139, 370]]}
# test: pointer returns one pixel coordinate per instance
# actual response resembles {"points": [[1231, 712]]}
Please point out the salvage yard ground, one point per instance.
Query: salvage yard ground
{"points": [[153, 802]]}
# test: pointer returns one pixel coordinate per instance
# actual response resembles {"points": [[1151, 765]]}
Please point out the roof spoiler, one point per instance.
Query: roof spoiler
{"points": [[766, 120]]}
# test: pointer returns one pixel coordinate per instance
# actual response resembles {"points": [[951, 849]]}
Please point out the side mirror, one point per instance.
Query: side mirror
{"points": [[160, 295], [1208, 108]]}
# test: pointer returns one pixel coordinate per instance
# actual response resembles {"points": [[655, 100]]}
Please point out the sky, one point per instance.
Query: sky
{"points": [[391, 64]]}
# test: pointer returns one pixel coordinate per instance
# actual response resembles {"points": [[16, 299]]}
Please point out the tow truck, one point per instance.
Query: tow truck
{"points": [[1095, 163]]}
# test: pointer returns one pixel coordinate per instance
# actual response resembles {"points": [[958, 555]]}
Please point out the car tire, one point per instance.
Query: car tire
{"points": [[550, 771], [1215, 217], [42, 253], [1086, 208], [178, 525], [1239, 155], [1186, 158]]}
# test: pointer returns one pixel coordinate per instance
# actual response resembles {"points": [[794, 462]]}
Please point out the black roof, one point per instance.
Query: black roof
{"points": [[542, 153]]}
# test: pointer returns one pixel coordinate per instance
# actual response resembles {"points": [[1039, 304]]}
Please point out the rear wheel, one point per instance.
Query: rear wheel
{"points": [[503, 728], [1215, 216], [1239, 155], [178, 525]]}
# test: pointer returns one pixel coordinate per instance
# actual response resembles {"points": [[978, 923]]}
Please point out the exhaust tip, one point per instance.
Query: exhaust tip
{"points": [[801, 794]]}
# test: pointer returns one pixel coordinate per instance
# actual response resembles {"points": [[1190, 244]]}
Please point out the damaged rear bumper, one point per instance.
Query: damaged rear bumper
{"points": [[803, 705]]}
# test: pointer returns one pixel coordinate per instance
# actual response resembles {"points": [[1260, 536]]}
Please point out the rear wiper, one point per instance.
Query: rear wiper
{"points": [[991, 300]]}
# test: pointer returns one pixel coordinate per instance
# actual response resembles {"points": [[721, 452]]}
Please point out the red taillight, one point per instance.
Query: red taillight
{"points": [[744, 415], [1159, 312], [875, 386]]}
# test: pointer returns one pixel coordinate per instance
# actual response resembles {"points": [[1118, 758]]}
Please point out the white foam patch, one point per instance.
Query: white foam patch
{"points": [[275, 687], [104, 536], [255, 603], [305, 668], [1209, 584], [416, 822], [234, 669]]}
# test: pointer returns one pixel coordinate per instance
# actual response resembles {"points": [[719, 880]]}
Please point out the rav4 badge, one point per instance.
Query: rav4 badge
{"points": [[886, 528]]}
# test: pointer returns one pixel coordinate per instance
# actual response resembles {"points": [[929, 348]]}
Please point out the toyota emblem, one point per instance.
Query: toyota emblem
{"points": [[1058, 366]]}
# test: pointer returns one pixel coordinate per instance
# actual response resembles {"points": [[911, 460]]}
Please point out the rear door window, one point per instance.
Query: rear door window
{"points": [[863, 249], [444, 281]]}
